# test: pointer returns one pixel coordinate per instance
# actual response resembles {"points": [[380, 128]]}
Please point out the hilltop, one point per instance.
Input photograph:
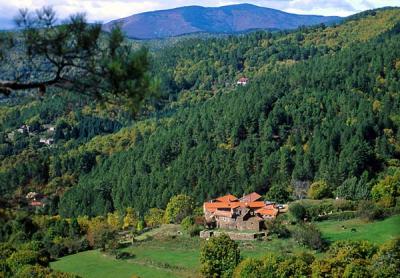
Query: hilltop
{"points": [[226, 19]]}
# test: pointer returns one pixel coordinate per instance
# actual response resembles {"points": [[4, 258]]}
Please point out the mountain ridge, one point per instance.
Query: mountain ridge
{"points": [[224, 19]]}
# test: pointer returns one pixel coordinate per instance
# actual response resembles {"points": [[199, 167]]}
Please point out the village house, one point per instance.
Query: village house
{"points": [[11, 135], [246, 213], [242, 81], [49, 127], [47, 141], [35, 199], [24, 129]]}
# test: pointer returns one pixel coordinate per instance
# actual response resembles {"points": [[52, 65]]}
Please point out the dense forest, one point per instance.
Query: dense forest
{"points": [[321, 105], [333, 118]]}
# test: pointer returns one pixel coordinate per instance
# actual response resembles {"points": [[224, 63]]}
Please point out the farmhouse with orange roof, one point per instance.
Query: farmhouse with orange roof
{"points": [[246, 213]]}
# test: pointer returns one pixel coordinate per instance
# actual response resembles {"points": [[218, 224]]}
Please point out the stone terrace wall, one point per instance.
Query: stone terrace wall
{"points": [[233, 235]]}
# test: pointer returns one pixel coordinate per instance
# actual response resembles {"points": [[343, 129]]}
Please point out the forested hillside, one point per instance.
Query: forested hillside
{"points": [[326, 111], [322, 104]]}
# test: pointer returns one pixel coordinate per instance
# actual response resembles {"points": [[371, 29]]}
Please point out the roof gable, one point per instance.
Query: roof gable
{"points": [[227, 198], [252, 197]]}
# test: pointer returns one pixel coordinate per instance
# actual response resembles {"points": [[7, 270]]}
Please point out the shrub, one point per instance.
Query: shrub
{"points": [[357, 268], [319, 190], [154, 217], [298, 211], [387, 189], [6, 250], [344, 205], [275, 266], [250, 268], [195, 230], [275, 227], [258, 268], [278, 193], [21, 258], [345, 259], [344, 215], [308, 235], [347, 249], [124, 256], [58, 250], [369, 211], [29, 271], [187, 223], [178, 208], [386, 263], [295, 266], [219, 256]]}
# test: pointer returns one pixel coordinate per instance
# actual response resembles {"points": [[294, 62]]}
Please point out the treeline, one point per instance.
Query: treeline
{"points": [[332, 118]]}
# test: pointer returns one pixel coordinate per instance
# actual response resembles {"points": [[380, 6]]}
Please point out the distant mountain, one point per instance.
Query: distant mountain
{"points": [[6, 24], [227, 19]]}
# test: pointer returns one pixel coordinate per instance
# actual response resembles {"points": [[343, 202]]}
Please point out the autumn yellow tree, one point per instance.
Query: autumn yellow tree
{"points": [[130, 219]]}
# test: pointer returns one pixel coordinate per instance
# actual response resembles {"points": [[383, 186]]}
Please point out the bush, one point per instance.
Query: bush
{"points": [[124, 256], [344, 215], [357, 268], [154, 217], [187, 223], [29, 271], [344, 205], [319, 190], [195, 230], [369, 211], [219, 256], [298, 211], [275, 266], [309, 235], [275, 227], [21, 258], [386, 263], [58, 250], [345, 258], [387, 189], [295, 266], [250, 268], [278, 193], [178, 208]]}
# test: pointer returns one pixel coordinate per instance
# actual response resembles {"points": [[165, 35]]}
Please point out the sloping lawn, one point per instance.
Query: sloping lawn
{"points": [[377, 232], [94, 264]]}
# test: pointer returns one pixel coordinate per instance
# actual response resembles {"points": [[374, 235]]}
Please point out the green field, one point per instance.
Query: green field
{"points": [[94, 264], [163, 255], [376, 232]]}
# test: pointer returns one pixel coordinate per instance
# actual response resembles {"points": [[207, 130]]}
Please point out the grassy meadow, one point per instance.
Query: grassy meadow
{"points": [[376, 232]]}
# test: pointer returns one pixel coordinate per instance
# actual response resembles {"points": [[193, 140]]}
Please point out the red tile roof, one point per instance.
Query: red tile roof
{"points": [[267, 211], [258, 204], [217, 205], [223, 205], [251, 197], [232, 205], [36, 204], [227, 198]]}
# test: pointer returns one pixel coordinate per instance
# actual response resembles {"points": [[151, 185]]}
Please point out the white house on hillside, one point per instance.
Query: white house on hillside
{"points": [[242, 81]]}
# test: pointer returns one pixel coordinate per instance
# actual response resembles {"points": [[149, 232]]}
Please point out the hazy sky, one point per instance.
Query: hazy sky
{"points": [[105, 10]]}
